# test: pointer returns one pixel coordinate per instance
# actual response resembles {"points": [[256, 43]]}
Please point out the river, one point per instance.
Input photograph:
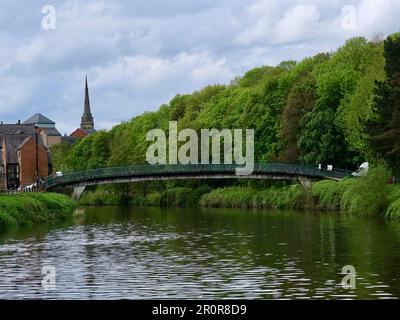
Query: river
{"points": [[145, 253]]}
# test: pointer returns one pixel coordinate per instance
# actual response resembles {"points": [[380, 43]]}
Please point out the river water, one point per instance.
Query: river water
{"points": [[144, 253]]}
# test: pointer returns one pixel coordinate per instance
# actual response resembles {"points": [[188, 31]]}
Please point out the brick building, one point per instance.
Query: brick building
{"points": [[27, 161], [19, 157]]}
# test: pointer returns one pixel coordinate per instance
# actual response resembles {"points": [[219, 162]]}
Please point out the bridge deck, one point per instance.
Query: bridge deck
{"points": [[138, 172]]}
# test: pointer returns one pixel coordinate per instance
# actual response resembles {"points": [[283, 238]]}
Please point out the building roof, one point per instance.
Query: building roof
{"points": [[68, 139], [20, 129], [13, 136], [23, 142], [89, 131], [11, 143], [40, 142], [85, 131], [51, 132], [38, 118]]}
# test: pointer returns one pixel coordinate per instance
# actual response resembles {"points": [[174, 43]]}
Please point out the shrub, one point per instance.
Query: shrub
{"points": [[369, 195], [393, 211], [100, 198], [245, 197], [327, 194], [182, 197]]}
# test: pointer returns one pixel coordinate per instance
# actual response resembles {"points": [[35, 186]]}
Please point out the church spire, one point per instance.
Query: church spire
{"points": [[87, 118]]}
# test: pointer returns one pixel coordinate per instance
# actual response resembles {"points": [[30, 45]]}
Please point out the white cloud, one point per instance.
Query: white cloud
{"points": [[12, 96], [297, 23], [145, 72], [262, 7], [30, 52], [270, 26], [211, 71], [377, 15]]}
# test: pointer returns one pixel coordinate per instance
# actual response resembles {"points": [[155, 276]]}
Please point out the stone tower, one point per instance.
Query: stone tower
{"points": [[87, 118]]}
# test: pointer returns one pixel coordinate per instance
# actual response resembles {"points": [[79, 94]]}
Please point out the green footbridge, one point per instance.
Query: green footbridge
{"points": [[270, 171]]}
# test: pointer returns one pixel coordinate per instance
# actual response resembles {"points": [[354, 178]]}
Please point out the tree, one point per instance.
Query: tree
{"points": [[320, 141], [385, 129], [356, 109], [298, 91], [300, 102], [60, 153]]}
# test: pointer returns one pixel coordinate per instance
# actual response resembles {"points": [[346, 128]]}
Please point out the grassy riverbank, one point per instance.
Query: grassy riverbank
{"points": [[365, 196], [171, 197], [350, 196], [34, 208], [247, 197]]}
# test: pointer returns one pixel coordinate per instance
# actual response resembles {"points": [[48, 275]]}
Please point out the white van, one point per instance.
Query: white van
{"points": [[362, 170]]}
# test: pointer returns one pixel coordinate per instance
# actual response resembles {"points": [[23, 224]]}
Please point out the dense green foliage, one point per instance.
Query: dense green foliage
{"points": [[369, 195], [340, 108], [327, 194], [365, 196], [33, 208], [245, 197], [100, 198], [385, 127], [170, 197], [393, 210]]}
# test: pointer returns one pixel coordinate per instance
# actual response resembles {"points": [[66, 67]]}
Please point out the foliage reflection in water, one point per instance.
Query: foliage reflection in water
{"points": [[135, 253]]}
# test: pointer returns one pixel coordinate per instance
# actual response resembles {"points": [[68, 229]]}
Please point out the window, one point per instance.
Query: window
{"points": [[12, 176]]}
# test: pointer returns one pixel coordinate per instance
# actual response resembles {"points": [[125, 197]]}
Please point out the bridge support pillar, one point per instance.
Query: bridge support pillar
{"points": [[76, 194], [306, 184]]}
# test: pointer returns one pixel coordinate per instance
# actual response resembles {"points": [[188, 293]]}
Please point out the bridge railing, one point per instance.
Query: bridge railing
{"points": [[168, 169]]}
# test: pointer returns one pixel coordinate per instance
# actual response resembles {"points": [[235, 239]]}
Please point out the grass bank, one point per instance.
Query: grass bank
{"points": [[100, 198], [369, 195], [172, 197], [34, 208], [246, 197]]}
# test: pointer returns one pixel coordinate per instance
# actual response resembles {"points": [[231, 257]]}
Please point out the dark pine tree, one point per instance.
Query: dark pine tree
{"points": [[385, 130]]}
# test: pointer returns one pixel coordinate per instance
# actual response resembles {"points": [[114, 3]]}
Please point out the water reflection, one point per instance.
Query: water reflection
{"points": [[115, 252]]}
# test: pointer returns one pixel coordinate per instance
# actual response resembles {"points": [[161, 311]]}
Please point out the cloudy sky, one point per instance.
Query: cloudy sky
{"points": [[139, 53]]}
